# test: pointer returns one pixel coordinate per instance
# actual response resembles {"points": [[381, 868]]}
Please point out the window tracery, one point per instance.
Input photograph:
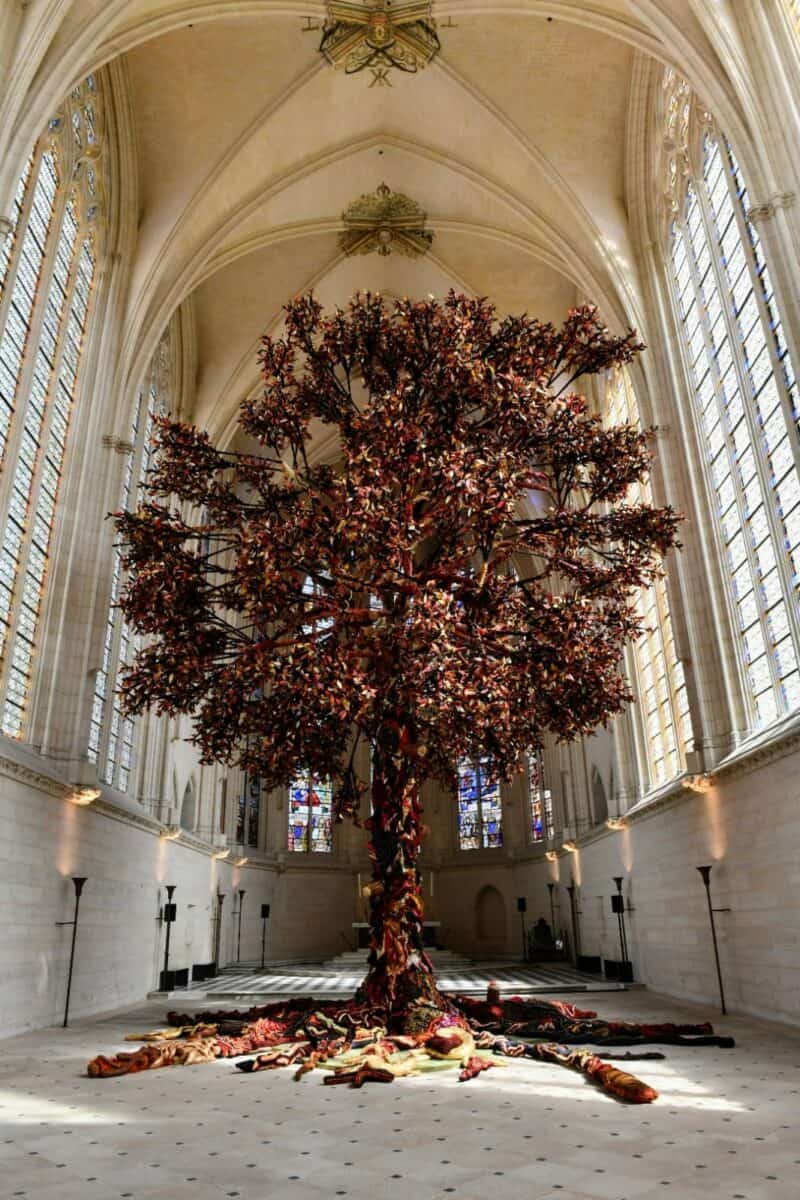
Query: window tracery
{"points": [[480, 810], [47, 272], [310, 815], [540, 802], [658, 675], [676, 103], [249, 813], [746, 406], [111, 735]]}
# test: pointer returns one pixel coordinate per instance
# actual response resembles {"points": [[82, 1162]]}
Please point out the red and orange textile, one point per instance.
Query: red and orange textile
{"points": [[359, 1044]]}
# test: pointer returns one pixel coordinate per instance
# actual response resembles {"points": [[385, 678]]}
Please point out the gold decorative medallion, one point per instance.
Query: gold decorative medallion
{"points": [[378, 37], [384, 220]]}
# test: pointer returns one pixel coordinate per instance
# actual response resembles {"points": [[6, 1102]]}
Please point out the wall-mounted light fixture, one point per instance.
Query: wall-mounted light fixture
{"points": [[575, 912], [551, 855], [171, 833], [241, 862], [551, 887], [221, 854], [83, 796], [705, 873], [239, 915], [218, 925], [616, 823], [78, 882], [572, 847], [264, 918], [168, 915], [618, 907], [699, 783]]}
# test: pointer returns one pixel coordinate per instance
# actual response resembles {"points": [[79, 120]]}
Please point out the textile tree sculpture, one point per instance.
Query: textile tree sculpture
{"points": [[454, 581]]}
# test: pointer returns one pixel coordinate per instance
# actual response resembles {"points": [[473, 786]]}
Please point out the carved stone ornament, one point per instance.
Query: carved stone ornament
{"points": [[379, 36], [763, 212], [676, 110], [384, 220]]}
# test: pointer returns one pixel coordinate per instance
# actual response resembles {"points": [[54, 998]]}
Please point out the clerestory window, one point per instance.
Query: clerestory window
{"points": [[658, 678], [541, 825], [48, 264], [746, 405], [112, 735]]}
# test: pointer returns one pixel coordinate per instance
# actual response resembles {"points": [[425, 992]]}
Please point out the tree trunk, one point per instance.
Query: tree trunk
{"points": [[400, 976]]}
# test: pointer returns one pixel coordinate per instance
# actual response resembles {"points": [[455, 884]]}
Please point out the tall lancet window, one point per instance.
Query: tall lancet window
{"points": [[746, 403], [111, 735], [658, 679], [249, 812], [47, 270], [540, 801]]}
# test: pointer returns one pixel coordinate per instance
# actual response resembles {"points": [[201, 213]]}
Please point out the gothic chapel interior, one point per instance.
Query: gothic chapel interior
{"points": [[172, 172]]}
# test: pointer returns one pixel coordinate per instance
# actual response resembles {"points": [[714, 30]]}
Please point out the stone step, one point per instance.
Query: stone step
{"points": [[355, 959]]}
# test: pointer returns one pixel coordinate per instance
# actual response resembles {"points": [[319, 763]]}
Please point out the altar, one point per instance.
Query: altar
{"points": [[430, 934]]}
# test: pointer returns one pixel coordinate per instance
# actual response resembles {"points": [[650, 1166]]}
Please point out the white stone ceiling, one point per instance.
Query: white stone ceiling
{"points": [[249, 146]]}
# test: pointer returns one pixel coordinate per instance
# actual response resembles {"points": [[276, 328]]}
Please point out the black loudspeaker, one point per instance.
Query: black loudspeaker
{"points": [[617, 904], [170, 912], [264, 912], [522, 904]]}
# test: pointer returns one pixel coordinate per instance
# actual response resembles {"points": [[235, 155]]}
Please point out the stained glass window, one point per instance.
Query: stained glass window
{"points": [[540, 802], [249, 812], [112, 735], [47, 271], [480, 810], [746, 404], [310, 804], [659, 683]]}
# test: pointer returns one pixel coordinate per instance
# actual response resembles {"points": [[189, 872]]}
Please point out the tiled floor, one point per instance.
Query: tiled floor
{"points": [[727, 1125], [555, 978]]}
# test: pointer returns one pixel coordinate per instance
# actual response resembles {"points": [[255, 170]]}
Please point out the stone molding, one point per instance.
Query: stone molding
{"points": [[51, 785], [19, 764], [767, 210], [757, 752], [108, 808], [121, 445]]}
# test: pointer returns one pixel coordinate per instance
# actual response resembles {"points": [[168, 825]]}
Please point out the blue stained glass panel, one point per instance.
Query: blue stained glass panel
{"points": [[310, 815]]}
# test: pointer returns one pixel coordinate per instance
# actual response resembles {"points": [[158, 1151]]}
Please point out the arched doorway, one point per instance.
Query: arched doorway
{"points": [[490, 922]]}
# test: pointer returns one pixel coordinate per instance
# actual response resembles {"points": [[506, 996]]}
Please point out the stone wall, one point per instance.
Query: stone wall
{"points": [[748, 828], [120, 941]]}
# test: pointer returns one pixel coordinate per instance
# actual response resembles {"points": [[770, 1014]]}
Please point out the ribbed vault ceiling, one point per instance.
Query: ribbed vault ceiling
{"points": [[249, 146]]}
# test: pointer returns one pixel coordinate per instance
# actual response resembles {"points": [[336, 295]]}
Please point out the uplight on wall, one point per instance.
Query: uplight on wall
{"points": [[241, 862], [616, 823], [698, 783], [220, 854], [170, 833], [551, 855], [572, 847], [83, 796]]}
